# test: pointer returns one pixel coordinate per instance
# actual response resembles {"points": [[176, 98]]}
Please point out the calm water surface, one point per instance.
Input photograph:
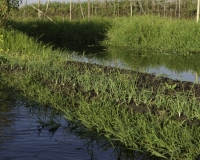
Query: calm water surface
{"points": [[35, 133], [31, 132], [184, 68]]}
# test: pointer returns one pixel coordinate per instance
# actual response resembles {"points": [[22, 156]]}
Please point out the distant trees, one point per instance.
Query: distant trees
{"points": [[6, 8]]}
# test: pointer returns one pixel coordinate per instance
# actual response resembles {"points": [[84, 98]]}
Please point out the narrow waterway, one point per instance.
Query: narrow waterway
{"points": [[31, 132], [178, 67], [34, 132]]}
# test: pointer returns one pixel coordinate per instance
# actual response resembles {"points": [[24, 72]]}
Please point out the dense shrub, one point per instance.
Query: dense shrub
{"points": [[6, 8]]}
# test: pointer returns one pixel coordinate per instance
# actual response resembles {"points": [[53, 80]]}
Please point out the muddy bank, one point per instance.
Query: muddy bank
{"points": [[144, 81]]}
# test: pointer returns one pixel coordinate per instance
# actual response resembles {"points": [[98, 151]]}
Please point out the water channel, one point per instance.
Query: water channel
{"points": [[178, 67], [32, 132]]}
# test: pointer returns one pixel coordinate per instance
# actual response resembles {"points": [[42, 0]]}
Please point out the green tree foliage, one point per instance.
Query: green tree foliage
{"points": [[6, 9]]}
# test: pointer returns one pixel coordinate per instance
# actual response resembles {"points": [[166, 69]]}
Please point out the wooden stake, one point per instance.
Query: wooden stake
{"points": [[47, 6], [39, 13], [179, 9], [131, 8], [88, 10], [44, 15], [70, 11], [81, 9], [198, 3]]}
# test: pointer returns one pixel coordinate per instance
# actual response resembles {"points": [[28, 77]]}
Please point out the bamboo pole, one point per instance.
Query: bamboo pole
{"points": [[164, 5], [198, 3], [81, 9], [131, 8], [44, 14], [176, 8], [88, 10], [196, 77], [47, 7], [39, 13], [114, 8], [142, 8], [92, 8], [179, 9], [70, 11]]}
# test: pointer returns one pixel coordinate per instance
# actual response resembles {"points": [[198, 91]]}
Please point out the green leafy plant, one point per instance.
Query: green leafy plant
{"points": [[6, 8], [171, 87]]}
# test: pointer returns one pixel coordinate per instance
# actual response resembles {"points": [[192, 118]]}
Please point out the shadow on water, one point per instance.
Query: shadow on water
{"points": [[29, 130], [82, 39]]}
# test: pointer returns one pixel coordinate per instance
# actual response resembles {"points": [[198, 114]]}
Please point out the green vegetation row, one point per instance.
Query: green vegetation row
{"points": [[108, 101], [186, 9], [6, 10], [155, 34], [140, 33], [61, 34]]}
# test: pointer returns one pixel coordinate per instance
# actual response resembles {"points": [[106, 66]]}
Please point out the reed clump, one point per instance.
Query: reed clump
{"points": [[145, 113], [138, 33], [154, 33], [61, 34]]}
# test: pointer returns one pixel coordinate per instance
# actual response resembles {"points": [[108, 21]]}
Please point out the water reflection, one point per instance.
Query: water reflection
{"points": [[36, 133], [185, 68], [31, 132], [5, 121]]}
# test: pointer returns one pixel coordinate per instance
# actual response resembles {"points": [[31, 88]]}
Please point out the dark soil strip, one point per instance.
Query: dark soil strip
{"points": [[145, 80]]}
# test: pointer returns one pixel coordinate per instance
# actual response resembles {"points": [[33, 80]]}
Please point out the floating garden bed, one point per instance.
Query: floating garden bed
{"points": [[144, 112]]}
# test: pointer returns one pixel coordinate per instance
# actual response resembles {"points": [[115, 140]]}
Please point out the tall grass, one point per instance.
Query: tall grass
{"points": [[60, 34], [100, 98], [139, 33], [153, 33]]}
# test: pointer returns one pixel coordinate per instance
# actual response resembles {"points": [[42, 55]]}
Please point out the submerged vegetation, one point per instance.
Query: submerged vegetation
{"points": [[146, 113]]}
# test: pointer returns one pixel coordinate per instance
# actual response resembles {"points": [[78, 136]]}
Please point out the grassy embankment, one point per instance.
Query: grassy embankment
{"points": [[101, 98], [151, 33], [61, 34], [139, 33], [95, 31]]}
